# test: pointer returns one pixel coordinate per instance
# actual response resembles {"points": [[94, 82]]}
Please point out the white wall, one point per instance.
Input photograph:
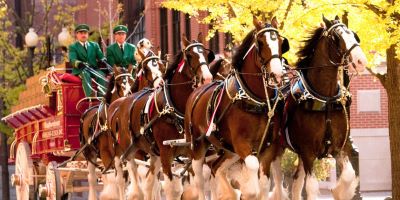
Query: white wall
{"points": [[374, 152]]}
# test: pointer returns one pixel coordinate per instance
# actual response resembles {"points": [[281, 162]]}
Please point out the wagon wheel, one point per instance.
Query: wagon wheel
{"points": [[53, 182], [23, 179]]}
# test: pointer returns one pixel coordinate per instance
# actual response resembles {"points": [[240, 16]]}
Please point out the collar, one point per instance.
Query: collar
{"points": [[119, 44], [83, 43]]}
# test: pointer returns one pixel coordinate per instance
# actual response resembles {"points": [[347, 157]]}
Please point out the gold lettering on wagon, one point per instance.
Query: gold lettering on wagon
{"points": [[51, 134], [52, 124]]}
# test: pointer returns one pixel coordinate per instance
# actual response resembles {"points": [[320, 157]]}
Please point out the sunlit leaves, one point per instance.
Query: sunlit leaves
{"points": [[375, 21]]}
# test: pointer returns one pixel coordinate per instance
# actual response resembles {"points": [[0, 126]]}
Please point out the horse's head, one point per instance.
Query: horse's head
{"points": [[151, 67], [123, 80], [345, 44], [268, 45], [196, 59]]}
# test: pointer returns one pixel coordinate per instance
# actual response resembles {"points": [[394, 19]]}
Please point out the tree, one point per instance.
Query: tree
{"points": [[13, 70], [375, 21]]}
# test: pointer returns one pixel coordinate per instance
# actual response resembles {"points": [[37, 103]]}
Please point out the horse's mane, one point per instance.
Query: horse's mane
{"points": [[110, 87], [237, 58], [306, 53], [174, 64]]}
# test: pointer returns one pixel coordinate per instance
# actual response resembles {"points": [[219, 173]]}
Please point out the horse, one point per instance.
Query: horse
{"points": [[149, 76], [93, 120], [316, 109], [146, 129], [237, 117]]}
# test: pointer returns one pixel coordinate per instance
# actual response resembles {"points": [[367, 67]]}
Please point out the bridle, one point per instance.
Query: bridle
{"points": [[345, 56], [193, 70], [264, 61], [125, 76], [157, 59]]}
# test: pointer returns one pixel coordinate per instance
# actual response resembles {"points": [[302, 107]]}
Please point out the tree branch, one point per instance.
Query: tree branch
{"points": [[377, 10], [286, 14], [382, 78]]}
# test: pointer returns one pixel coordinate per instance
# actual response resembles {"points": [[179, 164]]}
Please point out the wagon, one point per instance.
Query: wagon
{"points": [[46, 130]]}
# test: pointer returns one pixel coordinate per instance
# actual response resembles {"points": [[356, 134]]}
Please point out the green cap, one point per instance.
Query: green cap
{"points": [[120, 28], [82, 27]]}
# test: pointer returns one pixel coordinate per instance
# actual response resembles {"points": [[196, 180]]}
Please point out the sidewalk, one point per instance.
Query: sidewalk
{"points": [[370, 195]]}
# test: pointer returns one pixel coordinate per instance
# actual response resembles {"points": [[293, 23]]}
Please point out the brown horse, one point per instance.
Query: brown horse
{"points": [[146, 129], [150, 73], [93, 122], [317, 108], [232, 115]]}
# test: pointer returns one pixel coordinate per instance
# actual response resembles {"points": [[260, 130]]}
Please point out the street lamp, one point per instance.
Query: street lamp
{"points": [[64, 38], [32, 40]]}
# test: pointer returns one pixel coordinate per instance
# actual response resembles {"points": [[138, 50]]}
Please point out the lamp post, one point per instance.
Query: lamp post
{"points": [[32, 40]]}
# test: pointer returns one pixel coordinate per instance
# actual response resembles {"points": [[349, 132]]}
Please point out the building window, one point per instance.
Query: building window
{"points": [[164, 30], [138, 22], [176, 31], [187, 27], [368, 101], [214, 42]]}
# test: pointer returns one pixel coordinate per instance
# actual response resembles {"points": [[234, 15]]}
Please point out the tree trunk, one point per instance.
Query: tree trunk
{"points": [[4, 167], [3, 144], [392, 85]]}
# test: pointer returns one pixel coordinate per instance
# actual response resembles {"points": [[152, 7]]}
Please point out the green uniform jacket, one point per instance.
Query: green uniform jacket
{"points": [[77, 54], [115, 57]]}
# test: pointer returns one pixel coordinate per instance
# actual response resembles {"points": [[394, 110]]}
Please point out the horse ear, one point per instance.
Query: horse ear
{"points": [[130, 68], [257, 23], [115, 70], [326, 21], [322, 25], [337, 18], [158, 50], [200, 37], [274, 22], [185, 42]]}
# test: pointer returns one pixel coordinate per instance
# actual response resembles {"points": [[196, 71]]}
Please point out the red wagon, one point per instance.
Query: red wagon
{"points": [[46, 129]]}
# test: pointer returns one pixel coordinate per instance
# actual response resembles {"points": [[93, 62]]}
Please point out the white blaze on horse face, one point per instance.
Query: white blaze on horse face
{"points": [[357, 55], [275, 63], [126, 86], [207, 76], [154, 68]]}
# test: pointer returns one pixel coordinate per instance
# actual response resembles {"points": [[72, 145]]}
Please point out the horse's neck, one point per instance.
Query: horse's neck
{"points": [[253, 83], [143, 83], [180, 93], [321, 78], [116, 95]]}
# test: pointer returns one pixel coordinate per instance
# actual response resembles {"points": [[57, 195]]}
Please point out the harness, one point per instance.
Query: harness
{"points": [[239, 94], [302, 94], [169, 111]]}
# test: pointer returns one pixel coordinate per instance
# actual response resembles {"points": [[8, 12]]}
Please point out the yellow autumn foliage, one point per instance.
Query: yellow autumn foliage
{"points": [[375, 21]]}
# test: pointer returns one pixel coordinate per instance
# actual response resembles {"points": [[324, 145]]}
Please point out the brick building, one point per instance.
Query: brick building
{"points": [[165, 27], [369, 129]]}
